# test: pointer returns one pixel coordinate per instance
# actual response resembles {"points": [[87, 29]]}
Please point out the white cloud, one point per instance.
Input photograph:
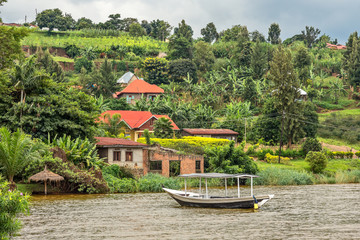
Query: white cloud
{"points": [[335, 18]]}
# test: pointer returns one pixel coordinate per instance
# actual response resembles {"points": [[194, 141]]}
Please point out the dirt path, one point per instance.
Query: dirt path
{"points": [[336, 148]]}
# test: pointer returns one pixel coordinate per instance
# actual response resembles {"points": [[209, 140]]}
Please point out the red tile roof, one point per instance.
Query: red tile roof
{"points": [[107, 141], [336, 47], [202, 131], [135, 119], [140, 86]]}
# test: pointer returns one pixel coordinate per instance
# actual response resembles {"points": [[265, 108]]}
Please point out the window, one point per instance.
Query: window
{"points": [[129, 98], [156, 165], [198, 166], [152, 97], [129, 156], [117, 156]]}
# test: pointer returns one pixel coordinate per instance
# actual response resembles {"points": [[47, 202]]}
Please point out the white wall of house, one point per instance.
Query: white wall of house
{"points": [[137, 157]]}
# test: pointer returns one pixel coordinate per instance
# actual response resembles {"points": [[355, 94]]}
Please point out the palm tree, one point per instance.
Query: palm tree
{"points": [[112, 124], [26, 77], [163, 128], [16, 151]]}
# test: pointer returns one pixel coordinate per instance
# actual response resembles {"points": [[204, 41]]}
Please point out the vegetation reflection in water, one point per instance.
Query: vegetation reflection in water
{"points": [[296, 212]]}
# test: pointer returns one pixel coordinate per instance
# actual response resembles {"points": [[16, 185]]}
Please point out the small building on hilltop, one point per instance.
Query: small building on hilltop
{"points": [[212, 133], [135, 122], [138, 89], [127, 78], [142, 159]]}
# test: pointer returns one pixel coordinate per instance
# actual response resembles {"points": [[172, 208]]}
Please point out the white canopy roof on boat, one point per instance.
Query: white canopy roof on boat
{"points": [[217, 175]]}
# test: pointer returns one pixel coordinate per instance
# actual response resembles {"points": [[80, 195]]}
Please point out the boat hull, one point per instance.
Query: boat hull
{"points": [[193, 200]]}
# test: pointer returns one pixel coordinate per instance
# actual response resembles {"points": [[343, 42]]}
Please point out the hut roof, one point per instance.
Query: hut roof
{"points": [[46, 175]]}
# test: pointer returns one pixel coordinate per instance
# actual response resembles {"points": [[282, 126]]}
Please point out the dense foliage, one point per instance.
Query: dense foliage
{"points": [[317, 161], [12, 203]]}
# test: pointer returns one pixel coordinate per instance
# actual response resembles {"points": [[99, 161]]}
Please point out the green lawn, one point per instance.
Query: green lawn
{"points": [[63, 59], [334, 165], [340, 113]]}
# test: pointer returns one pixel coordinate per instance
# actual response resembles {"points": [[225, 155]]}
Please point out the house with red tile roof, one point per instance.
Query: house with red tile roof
{"points": [[139, 89], [335, 47], [135, 122], [213, 133], [123, 152]]}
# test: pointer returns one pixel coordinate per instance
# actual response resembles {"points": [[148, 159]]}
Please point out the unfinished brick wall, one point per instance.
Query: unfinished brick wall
{"points": [[187, 162]]}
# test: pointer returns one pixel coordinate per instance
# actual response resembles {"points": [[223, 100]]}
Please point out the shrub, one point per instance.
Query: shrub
{"points": [[11, 204], [317, 161], [181, 68], [154, 183], [290, 153], [194, 145], [275, 159], [339, 155], [117, 171], [357, 154], [261, 154], [72, 50], [278, 176], [83, 62], [311, 144]]}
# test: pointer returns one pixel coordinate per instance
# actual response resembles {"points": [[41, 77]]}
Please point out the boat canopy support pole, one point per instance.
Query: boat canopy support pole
{"points": [[185, 187], [225, 187], [200, 187], [251, 182], [238, 182], [207, 196]]}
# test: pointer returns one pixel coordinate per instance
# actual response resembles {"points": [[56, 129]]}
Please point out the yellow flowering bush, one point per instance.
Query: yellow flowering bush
{"points": [[275, 159]]}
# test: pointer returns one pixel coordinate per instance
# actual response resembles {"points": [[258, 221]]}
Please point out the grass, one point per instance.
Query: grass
{"points": [[63, 59], [339, 142], [334, 165], [341, 113]]}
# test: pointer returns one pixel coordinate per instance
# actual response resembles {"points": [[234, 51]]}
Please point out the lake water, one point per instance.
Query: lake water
{"points": [[296, 212]]}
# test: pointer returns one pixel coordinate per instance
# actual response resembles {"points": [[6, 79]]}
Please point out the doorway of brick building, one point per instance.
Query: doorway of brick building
{"points": [[174, 168]]}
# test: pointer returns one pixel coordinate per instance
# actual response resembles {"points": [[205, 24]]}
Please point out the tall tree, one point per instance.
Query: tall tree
{"points": [[84, 23], [302, 62], [286, 92], [126, 23], [274, 34], [114, 22], [257, 36], [181, 42], [203, 56], [136, 30], [352, 60], [10, 47], [53, 18], [209, 33], [160, 29], [258, 62], [147, 27], [310, 35], [104, 80]]}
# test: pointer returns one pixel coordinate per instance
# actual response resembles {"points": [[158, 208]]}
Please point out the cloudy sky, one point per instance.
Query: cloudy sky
{"points": [[335, 18]]}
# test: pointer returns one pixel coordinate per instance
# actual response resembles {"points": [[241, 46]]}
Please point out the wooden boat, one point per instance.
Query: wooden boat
{"points": [[191, 199]]}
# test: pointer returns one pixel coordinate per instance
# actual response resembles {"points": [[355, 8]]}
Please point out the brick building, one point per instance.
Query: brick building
{"points": [[142, 159], [168, 162]]}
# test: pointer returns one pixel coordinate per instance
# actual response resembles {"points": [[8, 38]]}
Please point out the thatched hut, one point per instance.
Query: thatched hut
{"points": [[45, 176]]}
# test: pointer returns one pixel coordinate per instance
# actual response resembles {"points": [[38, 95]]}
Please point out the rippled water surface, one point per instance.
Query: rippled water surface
{"points": [[296, 212]]}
